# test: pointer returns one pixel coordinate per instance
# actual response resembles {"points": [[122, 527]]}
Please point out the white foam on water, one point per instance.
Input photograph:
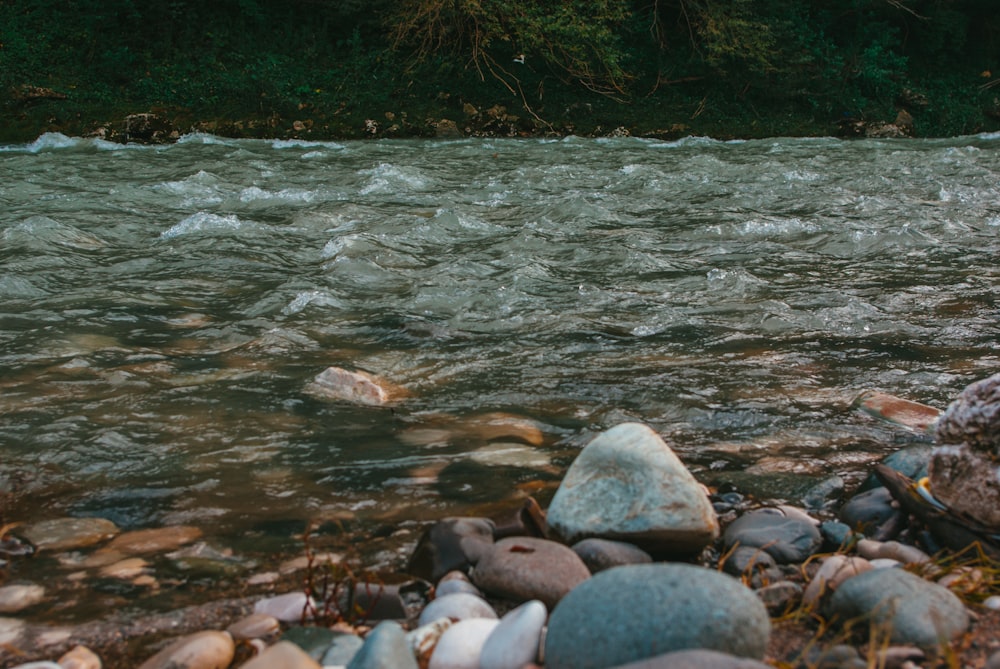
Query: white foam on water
{"points": [[205, 222]]}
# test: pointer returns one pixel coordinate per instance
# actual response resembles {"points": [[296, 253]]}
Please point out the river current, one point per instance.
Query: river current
{"points": [[163, 311]]}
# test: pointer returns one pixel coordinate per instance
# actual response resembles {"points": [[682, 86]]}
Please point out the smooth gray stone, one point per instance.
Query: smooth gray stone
{"points": [[459, 606], [629, 485], [912, 610], [837, 535], [385, 647], [787, 539], [313, 640], [451, 586], [451, 544], [601, 554], [634, 612], [868, 510], [910, 462], [515, 641], [695, 659], [748, 560]]}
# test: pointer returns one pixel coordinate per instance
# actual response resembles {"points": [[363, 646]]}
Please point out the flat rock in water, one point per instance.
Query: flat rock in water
{"points": [[202, 650], [282, 655], [628, 485], [68, 533], [17, 597], [913, 416], [695, 659], [357, 387], [912, 610], [524, 568], [385, 647], [786, 538], [636, 612], [154, 540], [515, 641]]}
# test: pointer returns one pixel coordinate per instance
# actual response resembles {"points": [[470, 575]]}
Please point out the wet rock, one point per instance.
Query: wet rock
{"points": [[523, 568], [385, 647], [449, 545], [695, 659], [787, 538], [144, 128], [838, 535], [68, 533], [458, 606], [80, 657], [516, 640], [628, 485], [910, 462], [461, 644], [823, 494], [202, 650], [636, 612], [914, 416], [868, 510], [832, 573], [314, 641], [282, 655], [447, 129], [141, 542], [255, 626], [357, 387], [912, 610], [17, 597], [291, 607], [601, 554]]}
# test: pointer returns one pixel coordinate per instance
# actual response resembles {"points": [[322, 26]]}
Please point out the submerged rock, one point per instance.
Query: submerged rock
{"points": [[628, 485], [68, 533], [358, 387]]}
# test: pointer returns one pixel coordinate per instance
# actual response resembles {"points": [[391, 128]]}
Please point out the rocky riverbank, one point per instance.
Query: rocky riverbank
{"points": [[634, 563]]}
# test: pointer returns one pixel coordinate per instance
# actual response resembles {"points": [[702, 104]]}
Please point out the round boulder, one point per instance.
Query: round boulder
{"points": [[523, 568], [635, 612], [628, 485]]}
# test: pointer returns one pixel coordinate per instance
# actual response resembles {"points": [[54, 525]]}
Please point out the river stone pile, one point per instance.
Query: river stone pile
{"points": [[512, 593]]}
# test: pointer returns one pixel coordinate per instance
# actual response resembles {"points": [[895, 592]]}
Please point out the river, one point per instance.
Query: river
{"points": [[164, 309]]}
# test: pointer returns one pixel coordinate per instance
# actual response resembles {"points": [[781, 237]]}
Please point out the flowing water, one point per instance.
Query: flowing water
{"points": [[163, 311]]}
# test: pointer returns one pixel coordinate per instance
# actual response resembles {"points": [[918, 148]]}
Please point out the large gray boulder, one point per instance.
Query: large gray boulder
{"points": [[630, 613], [628, 485]]}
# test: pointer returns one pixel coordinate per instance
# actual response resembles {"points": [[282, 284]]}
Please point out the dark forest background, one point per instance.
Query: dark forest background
{"points": [[724, 68]]}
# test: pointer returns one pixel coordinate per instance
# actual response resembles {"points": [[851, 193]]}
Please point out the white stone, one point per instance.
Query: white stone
{"points": [[80, 657], [515, 642], [10, 631], [835, 570], [461, 645], [457, 606]]}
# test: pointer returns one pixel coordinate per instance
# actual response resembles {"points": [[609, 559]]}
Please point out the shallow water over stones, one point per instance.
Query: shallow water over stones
{"points": [[164, 312]]}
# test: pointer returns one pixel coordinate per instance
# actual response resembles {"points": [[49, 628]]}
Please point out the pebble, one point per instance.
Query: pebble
{"points": [[385, 647], [423, 639], [254, 626], [289, 608], [787, 538], [913, 610], [601, 554], [80, 657], [11, 630], [515, 642], [282, 655], [627, 484], [695, 659], [62, 534], [453, 585], [892, 550], [461, 644], [202, 650], [451, 544], [832, 573], [635, 612], [459, 606], [342, 650], [780, 597], [523, 568], [748, 560], [18, 597]]}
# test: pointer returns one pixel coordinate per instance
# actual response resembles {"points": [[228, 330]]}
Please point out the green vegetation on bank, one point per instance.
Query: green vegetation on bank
{"points": [[353, 68]]}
